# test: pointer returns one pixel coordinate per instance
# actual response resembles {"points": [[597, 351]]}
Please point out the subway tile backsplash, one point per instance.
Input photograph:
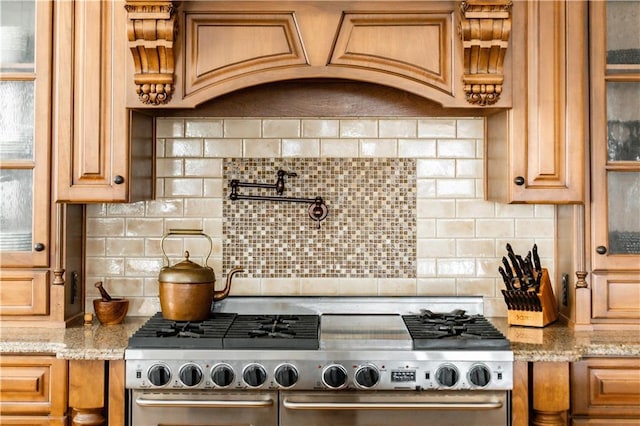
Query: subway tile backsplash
{"points": [[428, 231]]}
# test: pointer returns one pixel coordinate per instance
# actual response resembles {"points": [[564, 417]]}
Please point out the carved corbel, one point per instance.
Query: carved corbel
{"points": [[151, 30], [485, 26]]}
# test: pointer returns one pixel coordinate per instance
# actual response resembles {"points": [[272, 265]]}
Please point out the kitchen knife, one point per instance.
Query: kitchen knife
{"points": [[527, 269], [515, 264], [527, 272], [510, 249], [507, 299], [522, 304], [534, 301], [505, 278], [507, 268], [536, 258]]}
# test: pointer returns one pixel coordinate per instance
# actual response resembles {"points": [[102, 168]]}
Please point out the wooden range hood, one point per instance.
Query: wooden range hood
{"points": [[449, 53]]}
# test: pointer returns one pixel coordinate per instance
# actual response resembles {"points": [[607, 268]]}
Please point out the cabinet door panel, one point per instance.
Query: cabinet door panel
{"points": [[24, 292], [615, 134], [616, 295], [33, 385], [606, 387], [25, 139], [93, 144], [536, 150]]}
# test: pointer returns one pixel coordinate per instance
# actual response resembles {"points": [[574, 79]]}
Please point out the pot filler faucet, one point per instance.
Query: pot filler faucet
{"points": [[318, 210]]}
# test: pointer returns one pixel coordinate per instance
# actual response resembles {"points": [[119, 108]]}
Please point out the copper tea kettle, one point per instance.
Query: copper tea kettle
{"points": [[186, 289]]}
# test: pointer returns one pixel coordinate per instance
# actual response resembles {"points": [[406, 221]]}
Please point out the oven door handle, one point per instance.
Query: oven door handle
{"points": [[186, 403], [294, 405]]}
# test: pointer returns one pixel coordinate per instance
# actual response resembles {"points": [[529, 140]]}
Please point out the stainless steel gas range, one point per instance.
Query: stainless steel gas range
{"points": [[322, 360]]}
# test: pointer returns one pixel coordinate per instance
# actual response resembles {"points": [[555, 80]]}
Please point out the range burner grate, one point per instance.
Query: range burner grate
{"points": [[162, 333], [273, 332], [454, 330]]}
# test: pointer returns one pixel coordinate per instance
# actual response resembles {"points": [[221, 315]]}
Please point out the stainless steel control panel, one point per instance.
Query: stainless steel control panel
{"points": [[313, 370]]}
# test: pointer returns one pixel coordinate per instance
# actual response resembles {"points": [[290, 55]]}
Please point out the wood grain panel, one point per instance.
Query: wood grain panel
{"points": [[616, 295], [223, 46], [520, 394], [33, 385], [606, 387], [408, 45], [544, 147], [91, 129], [116, 415], [416, 46], [604, 422], [33, 421], [24, 292]]}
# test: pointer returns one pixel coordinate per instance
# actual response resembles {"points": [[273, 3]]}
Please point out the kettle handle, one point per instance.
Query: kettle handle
{"points": [[186, 232]]}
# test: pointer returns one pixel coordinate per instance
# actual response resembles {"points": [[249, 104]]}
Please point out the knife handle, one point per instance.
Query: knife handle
{"points": [[536, 258]]}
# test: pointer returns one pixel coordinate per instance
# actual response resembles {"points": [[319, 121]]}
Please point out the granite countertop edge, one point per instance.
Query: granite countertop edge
{"points": [[554, 343]]}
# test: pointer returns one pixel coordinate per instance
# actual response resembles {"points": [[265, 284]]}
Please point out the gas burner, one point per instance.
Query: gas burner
{"points": [[273, 332], [182, 329], [453, 330], [278, 326], [162, 333]]}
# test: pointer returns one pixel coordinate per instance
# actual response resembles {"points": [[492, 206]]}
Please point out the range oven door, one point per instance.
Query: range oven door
{"points": [[215, 408], [398, 408]]}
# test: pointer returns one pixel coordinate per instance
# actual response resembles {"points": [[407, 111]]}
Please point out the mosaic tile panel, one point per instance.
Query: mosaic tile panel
{"points": [[370, 231]]}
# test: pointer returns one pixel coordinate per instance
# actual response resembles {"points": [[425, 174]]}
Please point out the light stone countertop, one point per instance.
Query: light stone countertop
{"points": [[556, 342]]}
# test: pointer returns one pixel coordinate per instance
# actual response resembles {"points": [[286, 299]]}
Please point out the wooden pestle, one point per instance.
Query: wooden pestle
{"points": [[103, 292]]}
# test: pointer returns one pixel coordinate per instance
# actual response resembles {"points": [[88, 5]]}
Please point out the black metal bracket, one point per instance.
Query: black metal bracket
{"points": [[318, 210]]}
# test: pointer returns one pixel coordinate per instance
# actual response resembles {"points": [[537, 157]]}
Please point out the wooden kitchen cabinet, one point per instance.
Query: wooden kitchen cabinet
{"points": [[33, 390], [39, 241], [535, 151], [614, 245], [103, 152], [605, 391], [44, 390], [25, 138]]}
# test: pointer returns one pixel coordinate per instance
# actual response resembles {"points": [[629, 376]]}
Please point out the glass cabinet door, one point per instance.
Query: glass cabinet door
{"points": [[616, 134], [25, 92]]}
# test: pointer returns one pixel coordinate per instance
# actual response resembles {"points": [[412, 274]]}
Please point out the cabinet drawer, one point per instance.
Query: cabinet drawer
{"points": [[24, 292], [606, 387], [33, 385], [616, 295]]}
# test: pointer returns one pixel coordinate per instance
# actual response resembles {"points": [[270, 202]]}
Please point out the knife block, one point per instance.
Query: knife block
{"points": [[545, 302]]}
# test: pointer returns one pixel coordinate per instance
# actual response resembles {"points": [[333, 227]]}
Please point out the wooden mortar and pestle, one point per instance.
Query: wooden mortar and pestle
{"points": [[109, 310]]}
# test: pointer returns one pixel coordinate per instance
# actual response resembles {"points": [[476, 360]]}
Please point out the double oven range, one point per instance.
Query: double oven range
{"points": [[309, 361]]}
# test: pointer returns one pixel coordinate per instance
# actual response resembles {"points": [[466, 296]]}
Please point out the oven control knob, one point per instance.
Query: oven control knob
{"points": [[254, 375], [286, 375], [334, 376], [159, 375], [447, 375], [190, 375], [479, 375], [367, 376], [222, 375]]}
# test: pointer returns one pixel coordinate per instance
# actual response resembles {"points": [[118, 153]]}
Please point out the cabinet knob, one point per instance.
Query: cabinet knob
{"points": [[38, 247], [601, 249], [519, 180], [118, 180]]}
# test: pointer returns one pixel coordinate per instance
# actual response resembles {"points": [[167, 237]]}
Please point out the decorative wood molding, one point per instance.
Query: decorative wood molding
{"points": [[485, 26], [426, 61], [152, 27]]}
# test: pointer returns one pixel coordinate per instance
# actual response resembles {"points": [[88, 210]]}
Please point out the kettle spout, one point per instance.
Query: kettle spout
{"points": [[219, 295]]}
